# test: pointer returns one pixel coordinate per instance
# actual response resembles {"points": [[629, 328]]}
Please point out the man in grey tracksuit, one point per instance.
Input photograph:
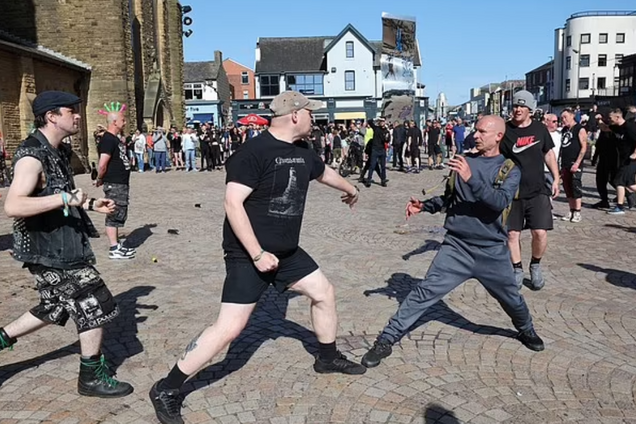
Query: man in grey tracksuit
{"points": [[475, 245]]}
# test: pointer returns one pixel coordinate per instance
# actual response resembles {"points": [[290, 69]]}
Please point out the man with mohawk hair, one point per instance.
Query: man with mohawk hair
{"points": [[114, 175]]}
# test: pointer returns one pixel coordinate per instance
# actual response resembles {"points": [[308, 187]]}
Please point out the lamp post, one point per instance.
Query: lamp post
{"points": [[578, 73]]}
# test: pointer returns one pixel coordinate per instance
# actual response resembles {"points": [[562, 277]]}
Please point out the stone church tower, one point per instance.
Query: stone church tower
{"points": [[133, 50]]}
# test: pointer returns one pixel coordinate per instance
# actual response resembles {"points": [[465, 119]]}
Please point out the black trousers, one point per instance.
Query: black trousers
{"points": [[206, 157], [216, 155], [605, 173], [398, 159]]}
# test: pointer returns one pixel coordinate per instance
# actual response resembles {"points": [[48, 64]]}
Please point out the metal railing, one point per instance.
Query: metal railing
{"points": [[603, 13]]}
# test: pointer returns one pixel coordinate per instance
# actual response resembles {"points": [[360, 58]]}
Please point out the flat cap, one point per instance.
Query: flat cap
{"points": [[49, 100]]}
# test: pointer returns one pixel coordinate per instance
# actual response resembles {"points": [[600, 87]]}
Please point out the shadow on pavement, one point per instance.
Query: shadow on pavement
{"points": [[614, 276], [435, 413], [267, 322], [428, 246], [400, 285], [622, 227], [138, 236], [120, 338]]}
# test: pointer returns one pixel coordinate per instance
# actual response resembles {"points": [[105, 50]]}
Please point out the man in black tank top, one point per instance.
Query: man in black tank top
{"points": [[573, 147]]}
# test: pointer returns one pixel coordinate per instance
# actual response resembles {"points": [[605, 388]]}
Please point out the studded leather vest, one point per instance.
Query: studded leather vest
{"points": [[50, 238]]}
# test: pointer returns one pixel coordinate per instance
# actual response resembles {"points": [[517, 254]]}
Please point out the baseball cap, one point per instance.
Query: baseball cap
{"points": [[291, 101], [524, 98], [49, 100]]}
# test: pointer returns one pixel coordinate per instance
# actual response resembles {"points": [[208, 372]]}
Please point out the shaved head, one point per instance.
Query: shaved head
{"points": [[489, 131], [497, 123], [116, 122]]}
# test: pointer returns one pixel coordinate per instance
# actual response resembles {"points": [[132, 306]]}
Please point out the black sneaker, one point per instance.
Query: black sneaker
{"points": [[531, 340], [374, 356], [97, 380], [340, 365], [603, 204], [167, 404]]}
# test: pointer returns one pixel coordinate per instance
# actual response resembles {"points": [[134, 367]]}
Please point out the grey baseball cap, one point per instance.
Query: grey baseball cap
{"points": [[524, 98], [291, 101]]}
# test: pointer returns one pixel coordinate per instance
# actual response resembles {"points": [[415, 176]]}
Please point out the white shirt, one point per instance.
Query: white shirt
{"points": [[556, 139], [140, 143]]}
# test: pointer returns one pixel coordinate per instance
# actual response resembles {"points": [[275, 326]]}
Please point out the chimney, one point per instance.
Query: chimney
{"points": [[218, 56]]}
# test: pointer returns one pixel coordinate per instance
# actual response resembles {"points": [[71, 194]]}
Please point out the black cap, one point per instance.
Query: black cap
{"points": [[49, 100]]}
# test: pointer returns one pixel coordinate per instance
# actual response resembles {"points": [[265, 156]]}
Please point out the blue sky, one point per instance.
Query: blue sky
{"points": [[463, 43]]}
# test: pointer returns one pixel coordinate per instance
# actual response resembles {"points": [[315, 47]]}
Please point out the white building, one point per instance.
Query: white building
{"points": [[206, 91], [586, 52], [343, 71]]}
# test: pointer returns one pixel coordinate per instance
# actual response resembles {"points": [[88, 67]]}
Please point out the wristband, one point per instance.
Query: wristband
{"points": [[65, 201], [258, 257]]}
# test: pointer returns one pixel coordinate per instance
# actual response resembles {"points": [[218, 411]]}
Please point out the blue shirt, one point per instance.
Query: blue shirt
{"points": [[459, 131]]}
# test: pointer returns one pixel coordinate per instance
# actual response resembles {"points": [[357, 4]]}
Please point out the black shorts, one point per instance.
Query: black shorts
{"points": [[626, 175], [534, 213], [76, 293], [118, 193], [572, 184], [244, 284]]}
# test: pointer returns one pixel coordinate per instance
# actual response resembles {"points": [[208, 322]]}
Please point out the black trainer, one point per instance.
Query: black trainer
{"points": [[603, 204], [167, 404], [6, 341], [341, 365], [97, 380], [531, 340], [380, 350]]}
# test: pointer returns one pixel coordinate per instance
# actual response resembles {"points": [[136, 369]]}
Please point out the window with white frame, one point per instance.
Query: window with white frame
{"points": [[585, 38], [193, 91], [350, 80], [620, 38], [270, 85], [245, 78], [602, 38], [307, 84], [246, 94]]}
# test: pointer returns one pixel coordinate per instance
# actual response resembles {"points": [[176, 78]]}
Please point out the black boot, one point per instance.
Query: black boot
{"points": [[6, 341], [97, 380]]}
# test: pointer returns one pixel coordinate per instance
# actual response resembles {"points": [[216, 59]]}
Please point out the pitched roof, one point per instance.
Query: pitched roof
{"points": [[355, 32], [200, 71], [308, 54], [9, 40], [291, 54], [545, 66]]}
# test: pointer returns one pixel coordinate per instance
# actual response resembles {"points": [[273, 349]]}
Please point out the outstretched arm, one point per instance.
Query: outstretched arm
{"points": [[332, 179]]}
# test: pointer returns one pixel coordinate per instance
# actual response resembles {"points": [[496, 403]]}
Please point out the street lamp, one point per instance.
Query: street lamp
{"points": [[578, 73]]}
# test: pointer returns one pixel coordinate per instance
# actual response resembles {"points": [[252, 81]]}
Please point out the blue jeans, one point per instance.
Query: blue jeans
{"points": [[191, 160], [140, 161], [151, 159], [160, 161]]}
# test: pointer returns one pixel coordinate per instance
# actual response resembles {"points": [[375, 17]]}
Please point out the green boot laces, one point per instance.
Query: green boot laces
{"points": [[102, 372]]}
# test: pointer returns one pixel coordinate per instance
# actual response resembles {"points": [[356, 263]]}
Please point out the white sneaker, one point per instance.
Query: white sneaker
{"points": [[122, 253], [576, 216], [567, 217]]}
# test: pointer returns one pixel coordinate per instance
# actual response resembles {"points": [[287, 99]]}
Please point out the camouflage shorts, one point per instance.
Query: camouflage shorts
{"points": [[76, 293], [118, 193]]}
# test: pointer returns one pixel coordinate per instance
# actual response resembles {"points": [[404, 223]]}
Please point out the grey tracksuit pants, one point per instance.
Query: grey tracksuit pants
{"points": [[455, 263]]}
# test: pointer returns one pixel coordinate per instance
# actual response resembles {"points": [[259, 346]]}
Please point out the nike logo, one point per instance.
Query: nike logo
{"points": [[518, 149]]}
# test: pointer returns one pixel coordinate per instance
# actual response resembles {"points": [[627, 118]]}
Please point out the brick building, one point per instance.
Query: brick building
{"points": [[241, 79], [129, 51]]}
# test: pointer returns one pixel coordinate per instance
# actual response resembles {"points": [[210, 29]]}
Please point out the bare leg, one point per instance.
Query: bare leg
{"points": [[515, 247], [539, 243], [323, 304], [24, 325], [91, 342], [620, 194], [232, 320], [112, 234]]}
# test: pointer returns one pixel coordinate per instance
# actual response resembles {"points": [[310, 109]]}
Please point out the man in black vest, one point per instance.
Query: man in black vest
{"points": [[51, 233]]}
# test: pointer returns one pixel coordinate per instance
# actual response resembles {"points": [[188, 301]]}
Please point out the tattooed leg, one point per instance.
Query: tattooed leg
{"points": [[191, 346]]}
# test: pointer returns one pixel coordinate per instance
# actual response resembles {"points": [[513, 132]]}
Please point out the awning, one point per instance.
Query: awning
{"points": [[349, 115], [203, 117]]}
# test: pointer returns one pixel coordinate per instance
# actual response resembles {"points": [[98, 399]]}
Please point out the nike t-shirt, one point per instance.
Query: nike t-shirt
{"points": [[527, 148], [279, 174]]}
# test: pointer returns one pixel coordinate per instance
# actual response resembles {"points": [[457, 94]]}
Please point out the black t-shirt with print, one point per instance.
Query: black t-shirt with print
{"points": [[527, 148], [570, 146], [279, 173], [118, 169]]}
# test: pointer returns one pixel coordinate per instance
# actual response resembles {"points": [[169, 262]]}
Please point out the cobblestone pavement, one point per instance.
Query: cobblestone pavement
{"points": [[460, 365]]}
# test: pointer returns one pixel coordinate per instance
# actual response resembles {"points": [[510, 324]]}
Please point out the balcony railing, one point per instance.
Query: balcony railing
{"points": [[613, 91], [603, 13]]}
